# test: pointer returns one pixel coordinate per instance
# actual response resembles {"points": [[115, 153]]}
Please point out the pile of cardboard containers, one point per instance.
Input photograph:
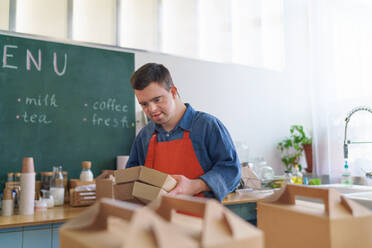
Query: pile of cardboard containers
{"points": [[137, 184], [336, 223], [111, 223]]}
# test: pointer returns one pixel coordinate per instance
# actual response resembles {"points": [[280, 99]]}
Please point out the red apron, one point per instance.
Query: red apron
{"points": [[176, 157]]}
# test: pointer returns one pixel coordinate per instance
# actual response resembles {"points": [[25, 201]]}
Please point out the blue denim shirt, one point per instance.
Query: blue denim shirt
{"points": [[212, 144]]}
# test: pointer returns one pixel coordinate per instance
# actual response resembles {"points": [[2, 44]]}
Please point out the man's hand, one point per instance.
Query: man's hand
{"points": [[187, 186]]}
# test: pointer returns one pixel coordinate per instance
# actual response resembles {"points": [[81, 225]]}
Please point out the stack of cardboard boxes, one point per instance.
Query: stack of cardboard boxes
{"points": [[137, 184], [283, 221]]}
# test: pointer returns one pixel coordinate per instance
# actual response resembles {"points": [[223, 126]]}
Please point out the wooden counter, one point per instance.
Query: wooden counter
{"points": [[234, 198], [52, 215]]}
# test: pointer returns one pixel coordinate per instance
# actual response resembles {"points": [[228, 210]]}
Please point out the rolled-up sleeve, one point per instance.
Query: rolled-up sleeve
{"points": [[224, 172]]}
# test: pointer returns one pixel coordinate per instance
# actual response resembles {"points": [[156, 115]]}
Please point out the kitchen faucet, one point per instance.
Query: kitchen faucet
{"points": [[347, 142]]}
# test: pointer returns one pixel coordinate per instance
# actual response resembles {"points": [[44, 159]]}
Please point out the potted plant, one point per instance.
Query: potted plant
{"points": [[292, 148]]}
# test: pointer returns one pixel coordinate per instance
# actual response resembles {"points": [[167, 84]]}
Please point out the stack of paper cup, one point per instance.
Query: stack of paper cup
{"points": [[27, 187], [121, 162]]}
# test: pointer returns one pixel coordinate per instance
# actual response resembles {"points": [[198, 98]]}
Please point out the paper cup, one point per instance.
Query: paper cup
{"points": [[28, 165], [121, 162]]}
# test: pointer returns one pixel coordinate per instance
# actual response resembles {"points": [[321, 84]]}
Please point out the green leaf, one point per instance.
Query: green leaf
{"points": [[291, 147]]}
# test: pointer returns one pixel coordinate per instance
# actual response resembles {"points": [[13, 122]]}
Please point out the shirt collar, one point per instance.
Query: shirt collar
{"points": [[184, 123]]}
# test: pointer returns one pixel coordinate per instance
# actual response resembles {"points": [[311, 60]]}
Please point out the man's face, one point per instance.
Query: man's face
{"points": [[157, 103]]}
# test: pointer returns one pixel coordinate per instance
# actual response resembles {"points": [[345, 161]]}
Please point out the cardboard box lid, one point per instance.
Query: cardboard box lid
{"points": [[146, 175], [146, 193], [113, 223], [334, 204], [106, 174]]}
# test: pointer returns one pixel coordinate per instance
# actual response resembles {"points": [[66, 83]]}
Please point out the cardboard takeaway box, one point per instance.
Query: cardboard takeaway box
{"points": [[145, 175], [338, 223], [105, 184], [141, 184], [125, 192], [137, 184], [220, 227], [137, 192], [111, 223]]}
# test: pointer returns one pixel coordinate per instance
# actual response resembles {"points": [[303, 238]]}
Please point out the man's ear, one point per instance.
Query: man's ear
{"points": [[174, 91]]}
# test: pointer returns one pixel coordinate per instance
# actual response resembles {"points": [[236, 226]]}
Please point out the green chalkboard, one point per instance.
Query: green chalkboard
{"points": [[63, 104]]}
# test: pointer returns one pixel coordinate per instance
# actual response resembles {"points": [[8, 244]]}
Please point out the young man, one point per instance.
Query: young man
{"points": [[192, 146]]}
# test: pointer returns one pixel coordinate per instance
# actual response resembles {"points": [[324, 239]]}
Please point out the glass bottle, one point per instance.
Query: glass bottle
{"points": [[57, 189], [296, 175], [65, 183], [17, 177], [288, 176], [346, 175], [42, 180], [65, 178], [86, 174], [17, 187]]}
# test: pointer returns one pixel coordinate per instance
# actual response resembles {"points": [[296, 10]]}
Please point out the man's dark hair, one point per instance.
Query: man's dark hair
{"points": [[151, 72]]}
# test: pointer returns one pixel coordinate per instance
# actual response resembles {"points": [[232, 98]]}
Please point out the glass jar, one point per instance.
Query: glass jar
{"points": [[17, 177], [46, 179], [86, 174], [65, 183], [57, 189], [48, 198], [10, 177], [287, 176], [264, 171]]}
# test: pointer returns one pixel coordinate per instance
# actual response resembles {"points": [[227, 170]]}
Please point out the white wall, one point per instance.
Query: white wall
{"points": [[257, 106]]}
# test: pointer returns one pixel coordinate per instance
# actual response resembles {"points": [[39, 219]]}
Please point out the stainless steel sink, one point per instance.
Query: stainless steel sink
{"points": [[359, 193], [363, 198]]}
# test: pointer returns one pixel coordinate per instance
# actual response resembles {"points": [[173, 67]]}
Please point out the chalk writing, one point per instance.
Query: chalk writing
{"points": [[110, 122], [29, 57], [110, 105], [47, 100], [55, 66], [8, 57], [35, 118]]}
